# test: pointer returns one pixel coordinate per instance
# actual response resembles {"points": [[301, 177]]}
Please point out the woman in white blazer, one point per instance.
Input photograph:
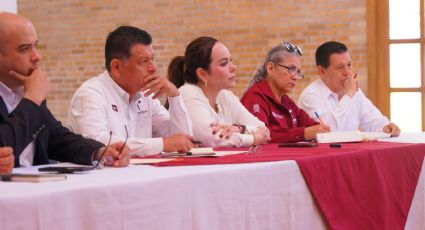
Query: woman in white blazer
{"points": [[205, 75]]}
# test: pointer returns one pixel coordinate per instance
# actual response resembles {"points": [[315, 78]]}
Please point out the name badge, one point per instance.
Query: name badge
{"points": [[277, 115], [140, 109]]}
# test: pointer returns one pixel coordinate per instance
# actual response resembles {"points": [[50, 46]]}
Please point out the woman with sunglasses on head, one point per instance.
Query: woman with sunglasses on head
{"points": [[205, 74], [267, 97]]}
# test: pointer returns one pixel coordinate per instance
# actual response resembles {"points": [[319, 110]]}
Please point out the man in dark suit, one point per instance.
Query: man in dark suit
{"points": [[26, 123]]}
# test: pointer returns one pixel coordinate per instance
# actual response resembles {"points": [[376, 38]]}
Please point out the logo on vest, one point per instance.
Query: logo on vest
{"points": [[277, 115], [139, 109], [256, 108], [115, 108]]}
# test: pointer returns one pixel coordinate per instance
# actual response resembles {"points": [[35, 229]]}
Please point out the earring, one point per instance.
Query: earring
{"points": [[206, 84]]}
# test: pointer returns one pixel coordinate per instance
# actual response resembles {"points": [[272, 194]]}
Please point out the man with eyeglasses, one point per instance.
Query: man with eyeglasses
{"points": [[267, 97], [26, 124], [336, 97], [123, 100]]}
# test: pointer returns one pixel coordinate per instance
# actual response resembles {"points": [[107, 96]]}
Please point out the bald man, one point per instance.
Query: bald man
{"points": [[26, 124]]}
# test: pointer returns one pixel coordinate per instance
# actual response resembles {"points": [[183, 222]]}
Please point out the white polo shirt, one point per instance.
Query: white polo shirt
{"points": [[346, 114], [100, 105]]}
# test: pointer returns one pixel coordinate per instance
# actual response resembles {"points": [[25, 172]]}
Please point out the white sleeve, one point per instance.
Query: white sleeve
{"points": [[242, 116], [371, 119], [88, 116], [334, 117], [176, 120], [202, 117]]}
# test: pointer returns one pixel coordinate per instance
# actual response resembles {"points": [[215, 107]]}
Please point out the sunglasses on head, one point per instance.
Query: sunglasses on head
{"points": [[292, 48]]}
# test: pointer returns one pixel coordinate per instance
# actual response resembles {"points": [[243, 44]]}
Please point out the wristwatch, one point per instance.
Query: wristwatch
{"points": [[242, 128]]}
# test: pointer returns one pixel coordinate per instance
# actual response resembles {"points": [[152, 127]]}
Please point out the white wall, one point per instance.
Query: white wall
{"points": [[8, 5]]}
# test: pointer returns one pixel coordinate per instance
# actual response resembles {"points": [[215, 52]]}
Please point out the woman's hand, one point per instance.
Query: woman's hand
{"points": [[310, 132], [261, 136], [223, 130]]}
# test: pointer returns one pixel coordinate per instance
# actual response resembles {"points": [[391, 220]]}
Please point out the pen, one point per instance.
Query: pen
{"points": [[320, 120], [355, 75], [196, 142]]}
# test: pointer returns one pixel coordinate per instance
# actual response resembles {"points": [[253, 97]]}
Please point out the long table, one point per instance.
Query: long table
{"points": [[268, 195]]}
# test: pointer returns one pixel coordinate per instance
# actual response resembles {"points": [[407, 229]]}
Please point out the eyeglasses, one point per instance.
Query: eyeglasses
{"points": [[293, 71], [292, 48], [126, 138], [98, 161]]}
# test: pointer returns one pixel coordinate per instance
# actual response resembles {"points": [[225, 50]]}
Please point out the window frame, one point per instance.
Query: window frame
{"points": [[379, 59]]}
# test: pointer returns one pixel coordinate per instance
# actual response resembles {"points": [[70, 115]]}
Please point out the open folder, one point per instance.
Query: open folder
{"points": [[15, 177], [195, 152], [333, 137], [349, 136]]}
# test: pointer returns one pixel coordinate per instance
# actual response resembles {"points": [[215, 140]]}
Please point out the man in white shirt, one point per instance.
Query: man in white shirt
{"points": [[336, 97], [26, 124], [122, 100]]}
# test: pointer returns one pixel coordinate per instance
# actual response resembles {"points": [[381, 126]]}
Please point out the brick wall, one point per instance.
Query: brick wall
{"points": [[72, 33]]}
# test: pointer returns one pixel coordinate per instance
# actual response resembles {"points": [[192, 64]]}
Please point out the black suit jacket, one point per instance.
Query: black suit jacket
{"points": [[54, 141]]}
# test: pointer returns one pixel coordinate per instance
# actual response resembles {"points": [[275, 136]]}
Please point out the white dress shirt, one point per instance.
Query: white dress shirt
{"points": [[346, 114], [230, 111], [12, 98], [100, 106]]}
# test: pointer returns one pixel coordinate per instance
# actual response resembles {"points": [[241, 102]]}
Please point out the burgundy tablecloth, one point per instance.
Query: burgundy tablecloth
{"points": [[359, 186]]}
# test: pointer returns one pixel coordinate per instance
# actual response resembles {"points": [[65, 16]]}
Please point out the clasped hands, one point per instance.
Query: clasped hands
{"points": [[225, 131]]}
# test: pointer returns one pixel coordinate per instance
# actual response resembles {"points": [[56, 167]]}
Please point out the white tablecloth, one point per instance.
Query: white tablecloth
{"points": [[240, 196]]}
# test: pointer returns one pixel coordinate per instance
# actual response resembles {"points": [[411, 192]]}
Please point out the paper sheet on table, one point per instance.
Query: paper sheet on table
{"points": [[224, 153], [407, 137], [143, 161], [350, 136], [375, 135], [201, 152], [334, 137], [195, 152]]}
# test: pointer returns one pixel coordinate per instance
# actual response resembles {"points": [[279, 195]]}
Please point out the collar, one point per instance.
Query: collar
{"points": [[199, 91], [204, 98], [120, 91], [264, 87], [325, 91], [11, 97]]}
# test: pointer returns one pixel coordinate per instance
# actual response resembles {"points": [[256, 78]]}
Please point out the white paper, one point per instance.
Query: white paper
{"points": [[332, 137], [375, 135], [406, 138], [141, 161], [225, 153]]}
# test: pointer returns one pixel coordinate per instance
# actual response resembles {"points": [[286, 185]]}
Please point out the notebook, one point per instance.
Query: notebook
{"points": [[375, 135], [15, 177], [333, 137], [195, 152], [147, 161], [350, 136]]}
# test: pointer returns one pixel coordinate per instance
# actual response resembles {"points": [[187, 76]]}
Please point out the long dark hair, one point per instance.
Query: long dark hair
{"points": [[197, 55]]}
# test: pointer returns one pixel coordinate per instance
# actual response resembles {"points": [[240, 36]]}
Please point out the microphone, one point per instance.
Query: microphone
{"points": [[100, 156], [38, 131], [26, 157]]}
